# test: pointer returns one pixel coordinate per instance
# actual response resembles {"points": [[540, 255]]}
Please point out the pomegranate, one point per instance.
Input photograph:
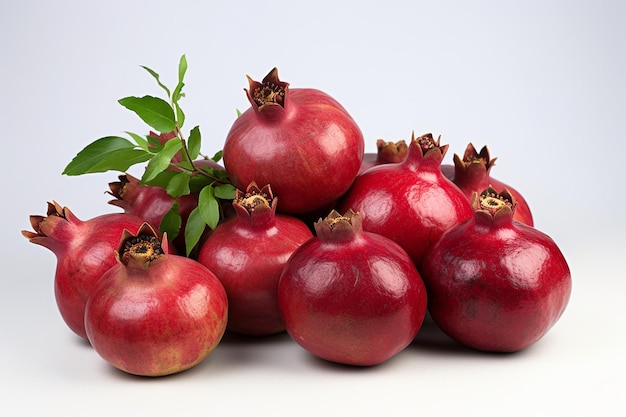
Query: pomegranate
{"points": [[410, 202], [151, 203], [300, 140], [495, 284], [154, 313], [472, 175], [247, 253], [84, 251], [387, 153], [350, 296]]}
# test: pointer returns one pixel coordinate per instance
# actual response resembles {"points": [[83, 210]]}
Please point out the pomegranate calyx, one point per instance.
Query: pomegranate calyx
{"points": [[473, 159], [425, 147], [271, 91], [141, 249], [493, 203], [338, 227], [255, 200], [390, 152]]}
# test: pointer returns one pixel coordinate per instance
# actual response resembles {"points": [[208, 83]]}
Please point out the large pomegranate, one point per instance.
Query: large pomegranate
{"points": [[299, 140], [153, 313], [350, 296], [410, 202], [247, 253], [496, 284], [472, 174], [84, 251]]}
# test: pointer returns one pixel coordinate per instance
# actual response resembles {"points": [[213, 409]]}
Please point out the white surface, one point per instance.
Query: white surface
{"points": [[540, 82]]}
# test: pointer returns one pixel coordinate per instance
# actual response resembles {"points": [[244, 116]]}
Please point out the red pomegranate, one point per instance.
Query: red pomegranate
{"points": [[299, 140], [84, 251], [247, 253], [409, 202], [350, 296], [154, 313], [495, 284]]}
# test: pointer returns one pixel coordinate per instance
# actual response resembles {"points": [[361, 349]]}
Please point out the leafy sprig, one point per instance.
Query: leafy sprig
{"points": [[170, 157]]}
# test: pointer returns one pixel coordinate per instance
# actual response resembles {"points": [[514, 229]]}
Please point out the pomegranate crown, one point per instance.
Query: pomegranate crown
{"points": [[255, 201], [142, 248], [472, 158], [494, 204], [338, 227], [270, 92], [391, 152], [428, 146]]}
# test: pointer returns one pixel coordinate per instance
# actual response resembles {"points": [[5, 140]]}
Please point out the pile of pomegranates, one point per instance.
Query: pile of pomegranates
{"points": [[299, 231]]}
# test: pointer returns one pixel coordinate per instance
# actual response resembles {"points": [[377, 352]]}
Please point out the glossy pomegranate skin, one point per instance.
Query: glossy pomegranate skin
{"points": [[410, 202], [472, 174], [247, 253], [156, 317], [386, 153], [305, 144], [495, 284], [351, 297], [84, 251]]}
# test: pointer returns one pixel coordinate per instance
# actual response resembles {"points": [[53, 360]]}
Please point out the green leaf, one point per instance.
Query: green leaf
{"points": [[156, 77], [141, 141], [161, 161], [110, 153], [238, 112], [182, 68], [178, 185], [171, 222], [209, 207], [198, 182], [161, 179], [193, 229], [224, 191], [218, 156], [194, 142], [156, 112], [180, 115]]}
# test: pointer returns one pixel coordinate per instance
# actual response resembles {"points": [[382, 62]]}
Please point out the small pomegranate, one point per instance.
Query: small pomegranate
{"points": [[300, 140], [350, 296], [495, 284], [151, 203], [84, 251], [387, 153], [410, 202], [472, 174], [154, 313], [247, 253]]}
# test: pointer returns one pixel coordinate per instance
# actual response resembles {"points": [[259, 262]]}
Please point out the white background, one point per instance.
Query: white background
{"points": [[540, 82]]}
